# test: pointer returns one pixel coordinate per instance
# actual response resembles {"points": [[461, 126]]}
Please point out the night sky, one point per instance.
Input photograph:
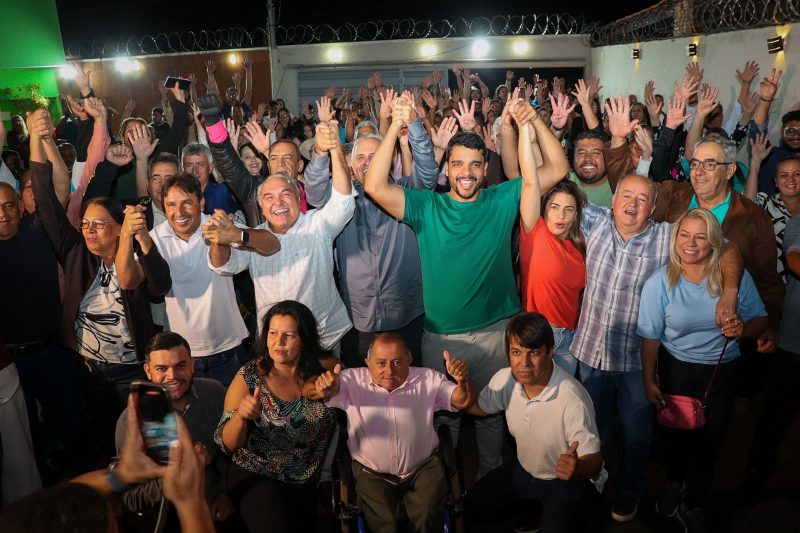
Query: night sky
{"points": [[115, 19]]}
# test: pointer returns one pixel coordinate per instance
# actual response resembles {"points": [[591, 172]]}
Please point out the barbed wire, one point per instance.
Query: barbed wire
{"points": [[681, 18], [228, 38]]}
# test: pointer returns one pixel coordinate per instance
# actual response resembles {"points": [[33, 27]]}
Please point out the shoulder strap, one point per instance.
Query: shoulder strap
{"points": [[716, 367]]}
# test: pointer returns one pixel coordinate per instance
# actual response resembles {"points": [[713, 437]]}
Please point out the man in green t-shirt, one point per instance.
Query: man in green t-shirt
{"points": [[464, 240], [589, 167]]}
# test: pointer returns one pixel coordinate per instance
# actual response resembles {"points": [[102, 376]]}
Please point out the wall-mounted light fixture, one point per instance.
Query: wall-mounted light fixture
{"points": [[636, 53], [691, 49], [335, 55], [775, 44], [233, 58]]}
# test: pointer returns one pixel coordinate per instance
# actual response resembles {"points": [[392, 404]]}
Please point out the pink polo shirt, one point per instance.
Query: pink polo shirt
{"points": [[392, 432]]}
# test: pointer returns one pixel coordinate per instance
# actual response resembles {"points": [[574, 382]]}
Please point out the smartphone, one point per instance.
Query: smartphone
{"points": [[157, 421], [182, 83]]}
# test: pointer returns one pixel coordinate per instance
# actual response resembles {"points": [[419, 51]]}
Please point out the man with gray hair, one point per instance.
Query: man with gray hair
{"points": [[198, 162], [302, 269], [377, 255]]}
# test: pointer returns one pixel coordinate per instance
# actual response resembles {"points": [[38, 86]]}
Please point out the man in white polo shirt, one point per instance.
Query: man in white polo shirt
{"points": [[551, 416], [303, 268], [201, 306]]}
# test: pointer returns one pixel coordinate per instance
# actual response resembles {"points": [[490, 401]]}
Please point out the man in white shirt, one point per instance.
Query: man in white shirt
{"points": [[551, 416], [303, 268], [201, 306]]}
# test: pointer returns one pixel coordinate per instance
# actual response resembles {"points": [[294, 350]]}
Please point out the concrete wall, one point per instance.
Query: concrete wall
{"points": [[719, 55], [542, 51]]}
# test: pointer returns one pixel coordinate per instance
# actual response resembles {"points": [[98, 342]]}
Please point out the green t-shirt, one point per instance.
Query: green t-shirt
{"points": [[597, 195], [126, 185], [465, 251], [719, 210]]}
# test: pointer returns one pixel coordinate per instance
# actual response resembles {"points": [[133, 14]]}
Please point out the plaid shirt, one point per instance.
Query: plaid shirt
{"points": [[616, 270]]}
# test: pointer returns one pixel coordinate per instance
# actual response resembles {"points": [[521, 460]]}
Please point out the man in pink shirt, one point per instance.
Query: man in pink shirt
{"points": [[390, 408]]}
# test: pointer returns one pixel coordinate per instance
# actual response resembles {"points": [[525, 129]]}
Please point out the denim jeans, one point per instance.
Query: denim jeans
{"points": [[626, 389], [566, 504], [561, 354], [221, 366]]}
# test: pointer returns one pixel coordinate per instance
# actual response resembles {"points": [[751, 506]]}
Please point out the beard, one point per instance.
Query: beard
{"points": [[591, 180]]}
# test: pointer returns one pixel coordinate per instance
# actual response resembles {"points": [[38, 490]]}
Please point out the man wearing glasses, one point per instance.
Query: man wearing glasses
{"points": [[743, 221]]}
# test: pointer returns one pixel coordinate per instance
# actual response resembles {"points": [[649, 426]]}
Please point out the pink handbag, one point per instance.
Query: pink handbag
{"points": [[687, 412]]}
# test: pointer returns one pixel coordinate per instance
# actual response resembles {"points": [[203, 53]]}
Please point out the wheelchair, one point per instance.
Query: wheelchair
{"points": [[344, 501]]}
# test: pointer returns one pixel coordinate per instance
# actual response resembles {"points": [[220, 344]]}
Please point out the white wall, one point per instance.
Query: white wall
{"points": [[543, 51], [719, 55]]}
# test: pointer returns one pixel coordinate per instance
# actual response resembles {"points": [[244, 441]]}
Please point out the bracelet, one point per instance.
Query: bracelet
{"points": [[765, 100], [114, 481]]}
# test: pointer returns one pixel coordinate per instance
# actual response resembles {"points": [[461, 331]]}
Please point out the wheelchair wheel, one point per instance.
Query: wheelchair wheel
{"points": [[343, 496], [456, 495]]}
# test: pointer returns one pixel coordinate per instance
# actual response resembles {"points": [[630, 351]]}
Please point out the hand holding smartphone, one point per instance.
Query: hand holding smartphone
{"points": [[157, 420], [182, 83]]}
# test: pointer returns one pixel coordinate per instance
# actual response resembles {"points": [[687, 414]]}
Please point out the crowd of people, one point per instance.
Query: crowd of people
{"points": [[572, 269]]}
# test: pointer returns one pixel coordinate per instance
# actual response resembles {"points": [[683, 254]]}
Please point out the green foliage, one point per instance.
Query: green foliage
{"points": [[24, 98]]}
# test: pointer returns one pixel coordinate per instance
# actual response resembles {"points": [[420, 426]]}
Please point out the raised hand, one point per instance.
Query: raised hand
{"points": [[119, 155], [331, 91], [567, 462], [135, 465], [139, 139], [466, 115], [327, 384], [233, 132], [327, 137], [694, 71], [130, 107], [749, 72], [256, 137], [77, 108], [442, 135], [135, 222], [324, 109], [488, 140], [619, 117], [769, 86], [427, 81], [486, 104], [429, 99], [760, 147], [594, 87], [211, 108], [404, 111], [96, 109], [644, 140], [509, 75], [388, 97], [581, 92], [247, 64], [250, 406], [686, 87], [39, 123], [749, 104], [437, 76], [561, 110], [522, 112], [211, 66], [707, 102], [676, 113], [260, 110], [82, 78], [220, 230], [457, 368]]}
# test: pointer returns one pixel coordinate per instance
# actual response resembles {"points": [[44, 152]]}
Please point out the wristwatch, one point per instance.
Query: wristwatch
{"points": [[113, 479], [245, 237]]}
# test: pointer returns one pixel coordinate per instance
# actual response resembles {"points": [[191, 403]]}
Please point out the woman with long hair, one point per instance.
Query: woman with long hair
{"points": [[553, 270], [681, 347], [276, 435]]}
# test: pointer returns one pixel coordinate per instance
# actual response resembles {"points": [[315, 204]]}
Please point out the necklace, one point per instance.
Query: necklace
{"points": [[299, 389]]}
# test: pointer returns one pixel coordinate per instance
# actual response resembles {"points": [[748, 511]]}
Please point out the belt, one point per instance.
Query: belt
{"points": [[391, 478], [23, 348]]}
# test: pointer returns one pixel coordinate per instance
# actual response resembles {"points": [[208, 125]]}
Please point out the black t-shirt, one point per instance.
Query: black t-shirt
{"points": [[161, 130], [31, 301]]}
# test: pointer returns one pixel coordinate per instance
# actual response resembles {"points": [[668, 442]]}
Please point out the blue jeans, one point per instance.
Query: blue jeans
{"points": [[561, 354], [221, 366], [635, 421], [566, 504]]}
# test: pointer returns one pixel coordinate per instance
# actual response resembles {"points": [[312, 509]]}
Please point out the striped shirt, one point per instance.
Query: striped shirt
{"points": [[616, 271]]}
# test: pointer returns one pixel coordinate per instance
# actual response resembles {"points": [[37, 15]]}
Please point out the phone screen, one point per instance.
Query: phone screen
{"points": [[182, 83], [157, 421]]}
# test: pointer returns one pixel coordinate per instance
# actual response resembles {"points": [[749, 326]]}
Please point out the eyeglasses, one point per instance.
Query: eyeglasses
{"points": [[791, 132], [709, 165], [96, 223]]}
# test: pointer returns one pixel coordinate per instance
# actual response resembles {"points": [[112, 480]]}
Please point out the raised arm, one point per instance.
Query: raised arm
{"points": [[41, 122], [247, 97], [143, 148], [245, 407], [129, 272], [464, 395], [768, 88], [376, 183], [759, 150], [529, 200], [211, 82], [583, 94], [705, 105]]}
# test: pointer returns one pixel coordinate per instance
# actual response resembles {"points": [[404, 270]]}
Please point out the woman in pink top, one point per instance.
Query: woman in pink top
{"points": [[553, 268]]}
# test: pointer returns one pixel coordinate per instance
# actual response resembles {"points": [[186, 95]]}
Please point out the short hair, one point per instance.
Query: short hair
{"points": [[62, 507], [185, 182], [347, 148], [113, 207], [728, 146], [163, 157], [364, 137], [591, 135], [157, 109], [286, 141], [791, 116], [717, 131], [165, 340], [311, 352], [197, 149], [651, 184], [389, 337], [530, 330], [363, 124], [8, 186], [467, 139]]}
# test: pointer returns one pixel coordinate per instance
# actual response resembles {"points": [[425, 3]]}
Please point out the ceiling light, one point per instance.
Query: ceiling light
{"points": [[480, 48]]}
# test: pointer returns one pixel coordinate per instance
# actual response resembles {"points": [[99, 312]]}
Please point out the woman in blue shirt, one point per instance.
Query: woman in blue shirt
{"points": [[681, 338]]}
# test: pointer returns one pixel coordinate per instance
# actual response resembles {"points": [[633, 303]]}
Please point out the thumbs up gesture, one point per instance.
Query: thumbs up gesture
{"points": [[327, 384], [568, 462], [250, 406], [457, 368]]}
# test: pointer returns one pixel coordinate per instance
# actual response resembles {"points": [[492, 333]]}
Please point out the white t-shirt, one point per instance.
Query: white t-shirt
{"points": [[201, 306], [546, 425], [101, 328]]}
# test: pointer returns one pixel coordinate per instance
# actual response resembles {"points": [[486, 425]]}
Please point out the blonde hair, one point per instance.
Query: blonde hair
{"points": [[712, 272]]}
